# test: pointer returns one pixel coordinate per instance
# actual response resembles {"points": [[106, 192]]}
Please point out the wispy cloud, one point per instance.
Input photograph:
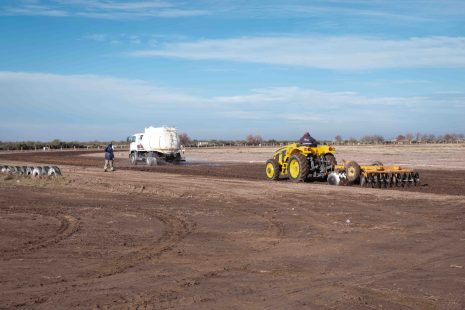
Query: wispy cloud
{"points": [[92, 100], [400, 11], [34, 10], [108, 9], [97, 37], [334, 53], [316, 99]]}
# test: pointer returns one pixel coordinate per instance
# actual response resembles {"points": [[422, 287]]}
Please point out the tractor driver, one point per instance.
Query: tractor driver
{"points": [[308, 140]]}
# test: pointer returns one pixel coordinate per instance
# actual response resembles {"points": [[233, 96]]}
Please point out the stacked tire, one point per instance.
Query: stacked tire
{"points": [[50, 171]]}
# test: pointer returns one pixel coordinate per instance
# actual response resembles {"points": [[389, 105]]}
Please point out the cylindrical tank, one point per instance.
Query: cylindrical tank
{"points": [[161, 139]]}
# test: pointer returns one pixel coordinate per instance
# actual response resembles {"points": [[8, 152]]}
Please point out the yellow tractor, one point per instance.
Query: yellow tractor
{"points": [[300, 162]]}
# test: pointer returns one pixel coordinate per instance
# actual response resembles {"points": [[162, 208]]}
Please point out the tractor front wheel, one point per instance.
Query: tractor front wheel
{"points": [[298, 168], [272, 169]]}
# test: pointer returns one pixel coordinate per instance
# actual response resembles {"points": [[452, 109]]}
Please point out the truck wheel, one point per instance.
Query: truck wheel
{"points": [[177, 158], [151, 161], [133, 159], [272, 169], [298, 168]]}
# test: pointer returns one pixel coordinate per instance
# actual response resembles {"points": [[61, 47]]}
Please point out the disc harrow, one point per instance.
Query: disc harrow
{"points": [[374, 176]]}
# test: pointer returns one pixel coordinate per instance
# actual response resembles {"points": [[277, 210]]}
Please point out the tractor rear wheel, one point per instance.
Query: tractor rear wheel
{"points": [[298, 167], [330, 159], [352, 171], [272, 169]]}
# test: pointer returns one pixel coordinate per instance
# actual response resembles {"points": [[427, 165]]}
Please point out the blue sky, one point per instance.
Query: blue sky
{"points": [[86, 70]]}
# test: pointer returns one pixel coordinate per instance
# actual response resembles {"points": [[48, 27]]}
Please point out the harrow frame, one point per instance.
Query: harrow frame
{"points": [[377, 175]]}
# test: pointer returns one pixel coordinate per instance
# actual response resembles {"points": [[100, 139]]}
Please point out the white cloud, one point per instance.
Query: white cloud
{"points": [[101, 9], [108, 106], [166, 13], [122, 6], [38, 89], [97, 37], [35, 10], [334, 53], [317, 99], [399, 11]]}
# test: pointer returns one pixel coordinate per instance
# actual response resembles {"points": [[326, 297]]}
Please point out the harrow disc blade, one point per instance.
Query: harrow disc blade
{"points": [[382, 180], [363, 181], [416, 178], [369, 180], [412, 179], [389, 180], [404, 179]]}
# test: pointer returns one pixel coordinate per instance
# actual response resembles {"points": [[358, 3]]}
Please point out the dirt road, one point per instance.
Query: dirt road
{"points": [[180, 237]]}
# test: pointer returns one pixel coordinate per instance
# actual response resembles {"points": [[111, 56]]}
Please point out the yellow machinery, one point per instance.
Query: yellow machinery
{"points": [[300, 163]]}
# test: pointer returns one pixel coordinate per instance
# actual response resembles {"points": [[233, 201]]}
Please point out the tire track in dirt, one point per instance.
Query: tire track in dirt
{"points": [[68, 226], [167, 298], [176, 229]]}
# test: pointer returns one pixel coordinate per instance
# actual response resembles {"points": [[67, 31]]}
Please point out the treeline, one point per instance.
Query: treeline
{"points": [[55, 144], [249, 140], [255, 140], [407, 138]]}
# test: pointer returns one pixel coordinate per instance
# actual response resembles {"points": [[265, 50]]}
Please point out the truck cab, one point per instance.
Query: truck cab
{"points": [[136, 142]]}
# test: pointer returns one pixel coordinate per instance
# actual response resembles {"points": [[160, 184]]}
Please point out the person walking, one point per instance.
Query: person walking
{"points": [[109, 157], [308, 140]]}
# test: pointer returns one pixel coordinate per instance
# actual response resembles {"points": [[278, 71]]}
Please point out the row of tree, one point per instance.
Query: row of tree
{"points": [[407, 138], [250, 139], [54, 144]]}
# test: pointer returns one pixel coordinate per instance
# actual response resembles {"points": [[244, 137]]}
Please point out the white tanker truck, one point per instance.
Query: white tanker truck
{"points": [[155, 144]]}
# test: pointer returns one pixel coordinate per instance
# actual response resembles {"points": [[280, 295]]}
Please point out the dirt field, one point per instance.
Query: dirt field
{"points": [[219, 236]]}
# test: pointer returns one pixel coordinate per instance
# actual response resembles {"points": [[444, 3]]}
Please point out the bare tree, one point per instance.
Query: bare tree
{"points": [[409, 137], [375, 139], [338, 139], [431, 138], [251, 139], [400, 138], [184, 139], [352, 140]]}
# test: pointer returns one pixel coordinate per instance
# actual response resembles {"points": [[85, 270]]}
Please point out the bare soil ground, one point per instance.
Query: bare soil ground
{"points": [[429, 156], [219, 236]]}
